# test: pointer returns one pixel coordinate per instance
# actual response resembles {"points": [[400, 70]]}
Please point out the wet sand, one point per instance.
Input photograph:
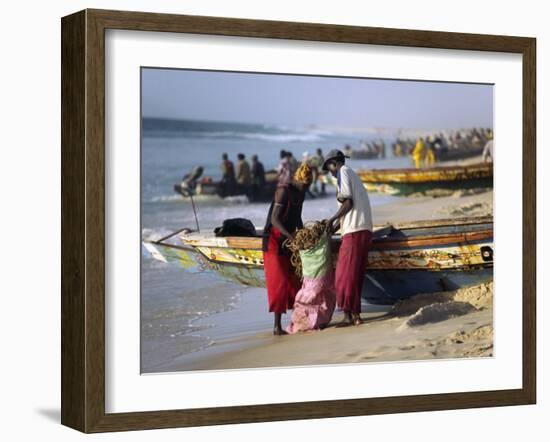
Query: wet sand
{"points": [[435, 326]]}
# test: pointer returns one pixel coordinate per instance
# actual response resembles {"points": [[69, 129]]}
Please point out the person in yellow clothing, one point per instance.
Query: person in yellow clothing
{"points": [[418, 152], [429, 161]]}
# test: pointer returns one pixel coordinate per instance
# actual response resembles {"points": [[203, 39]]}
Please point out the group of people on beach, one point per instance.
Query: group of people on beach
{"points": [[245, 174], [434, 147], [252, 175], [424, 151], [319, 292]]}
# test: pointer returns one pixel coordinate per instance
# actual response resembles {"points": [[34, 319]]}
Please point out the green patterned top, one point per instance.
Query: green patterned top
{"points": [[317, 260]]}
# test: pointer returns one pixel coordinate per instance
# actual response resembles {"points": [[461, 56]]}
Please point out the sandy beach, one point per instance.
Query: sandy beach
{"points": [[444, 325], [458, 204]]}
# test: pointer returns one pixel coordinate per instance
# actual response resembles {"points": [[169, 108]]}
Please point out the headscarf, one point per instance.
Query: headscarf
{"points": [[303, 174]]}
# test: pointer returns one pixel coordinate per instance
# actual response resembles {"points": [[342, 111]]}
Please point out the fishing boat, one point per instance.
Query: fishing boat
{"points": [[366, 151], [405, 259], [209, 186], [408, 181], [363, 154], [458, 153]]}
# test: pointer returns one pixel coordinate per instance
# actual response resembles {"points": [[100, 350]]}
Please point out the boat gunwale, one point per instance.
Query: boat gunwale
{"points": [[431, 240], [379, 244], [254, 243], [413, 170], [460, 268], [432, 182]]}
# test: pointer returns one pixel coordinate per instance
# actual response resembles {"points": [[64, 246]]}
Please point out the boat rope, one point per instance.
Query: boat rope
{"points": [[304, 239], [195, 212]]}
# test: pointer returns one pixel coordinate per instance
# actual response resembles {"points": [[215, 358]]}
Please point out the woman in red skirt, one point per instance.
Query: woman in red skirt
{"points": [[283, 219]]}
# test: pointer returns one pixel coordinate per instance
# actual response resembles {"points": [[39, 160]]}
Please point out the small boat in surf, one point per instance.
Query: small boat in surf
{"points": [[405, 259], [209, 186]]}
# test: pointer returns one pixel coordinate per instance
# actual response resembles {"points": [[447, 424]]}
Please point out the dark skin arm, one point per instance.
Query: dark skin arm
{"points": [[300, 222], [347, 205]]}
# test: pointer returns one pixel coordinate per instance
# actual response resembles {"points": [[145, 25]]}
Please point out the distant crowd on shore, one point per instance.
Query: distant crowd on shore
{"points": [[440, 143], [425, 151]]}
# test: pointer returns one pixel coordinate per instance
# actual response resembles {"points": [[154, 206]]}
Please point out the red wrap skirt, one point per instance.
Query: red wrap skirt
{"points": [[351, 268], [281, 281]]}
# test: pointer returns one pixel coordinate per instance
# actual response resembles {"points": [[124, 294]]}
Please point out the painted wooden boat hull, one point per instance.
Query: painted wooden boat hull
{"points": [[460, 153], [401, 262], [407, 189], [362, 154], [387, 287], [265, 194], [407, 181]]}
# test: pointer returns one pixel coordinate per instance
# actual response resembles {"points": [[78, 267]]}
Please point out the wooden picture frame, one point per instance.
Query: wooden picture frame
{"points": [[83, 220]]}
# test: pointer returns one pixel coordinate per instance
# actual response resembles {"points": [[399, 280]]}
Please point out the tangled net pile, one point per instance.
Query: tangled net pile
{"points": [[304, 239]]}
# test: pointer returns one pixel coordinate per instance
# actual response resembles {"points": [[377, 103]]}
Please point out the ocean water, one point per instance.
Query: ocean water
{"points": [[175, 304]]}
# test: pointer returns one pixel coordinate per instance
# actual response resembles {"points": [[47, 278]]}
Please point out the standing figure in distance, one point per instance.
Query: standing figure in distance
{"points": [[243, 171], [258, 177], [227, 183], [418, 152], [488, 150], [429, 160]]}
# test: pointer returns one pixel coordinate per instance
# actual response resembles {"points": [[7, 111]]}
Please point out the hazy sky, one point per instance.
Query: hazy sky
{"points": [[324, 101]]}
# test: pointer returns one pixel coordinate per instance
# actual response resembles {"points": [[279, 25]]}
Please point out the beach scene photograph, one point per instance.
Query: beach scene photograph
{"points": [[300, 220]]}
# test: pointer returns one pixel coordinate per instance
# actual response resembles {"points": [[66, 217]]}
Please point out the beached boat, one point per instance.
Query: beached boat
{"points": [[405, 259], [408, 181], [458, 153], [363, 154], [366, 151]]}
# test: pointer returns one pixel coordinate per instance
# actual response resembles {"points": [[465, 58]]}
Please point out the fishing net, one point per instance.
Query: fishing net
{"points": [[310, 250], [312, 259]]}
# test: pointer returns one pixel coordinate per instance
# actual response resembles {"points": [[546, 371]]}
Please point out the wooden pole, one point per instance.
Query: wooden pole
{"points": [[195, 212]]}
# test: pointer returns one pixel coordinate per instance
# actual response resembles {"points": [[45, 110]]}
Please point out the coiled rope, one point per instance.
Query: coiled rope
{"points": [[304, 239]]}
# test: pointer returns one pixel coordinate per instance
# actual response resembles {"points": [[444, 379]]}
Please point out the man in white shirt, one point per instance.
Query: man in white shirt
{"points": [[354, 220], [488, 151]]}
